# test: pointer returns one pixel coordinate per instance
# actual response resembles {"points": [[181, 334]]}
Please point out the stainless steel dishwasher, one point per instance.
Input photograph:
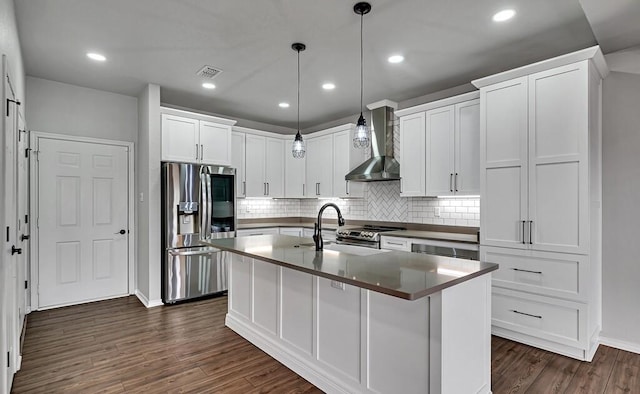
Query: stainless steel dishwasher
{"points": [[458, 250]]}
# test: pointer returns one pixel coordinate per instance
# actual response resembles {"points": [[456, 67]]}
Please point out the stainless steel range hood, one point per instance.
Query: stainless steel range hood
{"points": [[381, 166]]}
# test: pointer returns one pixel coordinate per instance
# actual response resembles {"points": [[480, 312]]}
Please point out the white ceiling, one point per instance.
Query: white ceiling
{"points": [[445, 44]]}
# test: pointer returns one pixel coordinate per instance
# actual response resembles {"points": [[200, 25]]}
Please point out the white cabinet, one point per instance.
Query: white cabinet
{"points": [[189, 137], [439, 148], [319, 166], [534, 161], [238, 162], [412, 157], [294, 173], [180, 138], [264, 166], [540, 205], [345, 159]]}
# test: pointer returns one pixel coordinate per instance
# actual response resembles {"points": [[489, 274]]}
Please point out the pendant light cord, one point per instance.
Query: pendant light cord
{"points": [[361, 61], [298, 91]]}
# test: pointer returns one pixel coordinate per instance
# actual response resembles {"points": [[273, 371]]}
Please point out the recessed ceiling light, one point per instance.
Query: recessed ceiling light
{"points": [[208, 85], [96, 56], [503, 15], [396, 59], [284, 105], [328, 86]]}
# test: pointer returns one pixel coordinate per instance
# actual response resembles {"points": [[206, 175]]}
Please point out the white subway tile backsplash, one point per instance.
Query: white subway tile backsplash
{"points": [[381, 202]]}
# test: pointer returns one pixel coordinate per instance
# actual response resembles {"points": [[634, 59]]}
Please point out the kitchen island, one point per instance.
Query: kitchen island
{"points": [[370, 321]]}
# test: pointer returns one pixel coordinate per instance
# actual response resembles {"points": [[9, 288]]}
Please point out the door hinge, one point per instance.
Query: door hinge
{"points": [[8, 359], [26, 219], [7, 233], [9, 101], [26, 284]]}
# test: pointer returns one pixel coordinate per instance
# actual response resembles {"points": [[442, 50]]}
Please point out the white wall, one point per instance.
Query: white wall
{"points": [[621, 213], [10, 45], [56, 107], [148, 173]]}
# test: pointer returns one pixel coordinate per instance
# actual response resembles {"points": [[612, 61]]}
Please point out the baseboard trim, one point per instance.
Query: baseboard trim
{"points": [[145, 301], [321, 379], [619, 344]]}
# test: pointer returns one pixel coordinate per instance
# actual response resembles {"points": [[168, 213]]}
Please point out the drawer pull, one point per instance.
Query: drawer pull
{"points": [[531, 272], [526, 314], [395, 243]]}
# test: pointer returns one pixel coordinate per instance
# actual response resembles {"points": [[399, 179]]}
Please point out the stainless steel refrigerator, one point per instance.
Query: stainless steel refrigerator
{"points": [[198, 203]]}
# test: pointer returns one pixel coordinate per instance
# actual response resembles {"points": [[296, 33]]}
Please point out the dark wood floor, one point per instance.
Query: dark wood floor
{"points": [[119, 346]]}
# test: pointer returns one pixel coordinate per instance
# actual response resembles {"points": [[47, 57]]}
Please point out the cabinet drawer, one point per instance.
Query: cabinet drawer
{"points": [[543, 317], [395, 243], [258, 231], [553, 274]]}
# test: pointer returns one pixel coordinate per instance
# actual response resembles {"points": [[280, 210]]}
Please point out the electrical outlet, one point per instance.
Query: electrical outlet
{"points": [[141, 197], [436, 212], [337, 285]]}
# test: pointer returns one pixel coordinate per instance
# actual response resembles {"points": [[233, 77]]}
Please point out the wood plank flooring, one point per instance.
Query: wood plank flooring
{"points": [[119, 346]]}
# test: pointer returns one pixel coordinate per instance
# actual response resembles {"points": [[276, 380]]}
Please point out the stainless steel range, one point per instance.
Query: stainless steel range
{"points": [[367, 236]]}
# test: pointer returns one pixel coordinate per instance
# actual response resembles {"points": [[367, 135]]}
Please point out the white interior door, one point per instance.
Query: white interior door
{"points": [[9, 336], [83, 221], [22, 209]]}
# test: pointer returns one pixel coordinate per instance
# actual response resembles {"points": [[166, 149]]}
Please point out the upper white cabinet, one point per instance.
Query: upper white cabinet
{"points": [[412, 157], [439, 147], [345, 159], [195, 138], [264, 166], [319, 166], [294, 173], [534, 161], [238, 162]]}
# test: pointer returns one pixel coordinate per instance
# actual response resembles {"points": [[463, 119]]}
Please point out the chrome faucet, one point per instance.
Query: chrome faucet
{"points": [[317, 227]]}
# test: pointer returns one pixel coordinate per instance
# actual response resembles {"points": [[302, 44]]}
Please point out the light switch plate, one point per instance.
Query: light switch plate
{"points": [[436, 212]]}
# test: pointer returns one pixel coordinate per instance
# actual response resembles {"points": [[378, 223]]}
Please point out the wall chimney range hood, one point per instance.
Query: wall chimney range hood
{"points": [[382, 166]]}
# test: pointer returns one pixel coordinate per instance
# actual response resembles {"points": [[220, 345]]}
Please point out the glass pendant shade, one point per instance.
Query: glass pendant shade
{"points": [[361, 135], [298, 148]]}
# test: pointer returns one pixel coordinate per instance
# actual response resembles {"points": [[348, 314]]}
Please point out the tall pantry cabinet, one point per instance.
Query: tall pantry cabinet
{"points": [[540, 205]]}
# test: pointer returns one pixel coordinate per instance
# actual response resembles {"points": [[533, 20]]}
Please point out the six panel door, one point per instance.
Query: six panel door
{"points": [[83, 245]]}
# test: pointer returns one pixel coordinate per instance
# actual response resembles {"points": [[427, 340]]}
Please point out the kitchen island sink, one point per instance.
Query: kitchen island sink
{"points": [[385, 322]]}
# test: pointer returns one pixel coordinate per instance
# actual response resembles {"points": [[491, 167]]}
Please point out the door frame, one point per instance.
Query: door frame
{"points": [[35, 137]]}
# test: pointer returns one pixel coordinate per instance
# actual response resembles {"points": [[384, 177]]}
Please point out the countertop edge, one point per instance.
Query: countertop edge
{"points": [[364, 285]]}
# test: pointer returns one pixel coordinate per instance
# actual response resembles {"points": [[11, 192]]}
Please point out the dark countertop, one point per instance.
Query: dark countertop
{"points": [[400, 274]]}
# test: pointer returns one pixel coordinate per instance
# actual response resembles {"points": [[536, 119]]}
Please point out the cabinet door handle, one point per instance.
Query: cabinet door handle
{"points": [[526, 314], [201, 152], [244, 188], [531, 272], [400, 185], [451, 182], [303, 189], [523, 236], [346, 187], [395, 243], [317, 188], [455, 182], [530, 232], [264, 188], [196, 151], [267, 188]]}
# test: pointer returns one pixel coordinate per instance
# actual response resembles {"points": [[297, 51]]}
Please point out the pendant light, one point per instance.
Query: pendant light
{"points": [[298, 147], [362, 135]]}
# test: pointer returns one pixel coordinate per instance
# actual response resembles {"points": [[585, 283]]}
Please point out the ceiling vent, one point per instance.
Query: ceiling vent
{"points": [[208, 72]]}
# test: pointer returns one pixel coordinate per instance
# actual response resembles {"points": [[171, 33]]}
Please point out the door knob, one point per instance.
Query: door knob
{"points": [[123, 232], [15, 250], [24, 237]]}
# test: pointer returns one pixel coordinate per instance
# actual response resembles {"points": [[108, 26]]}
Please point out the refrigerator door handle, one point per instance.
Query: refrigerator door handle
{"points": [[205, 206], [199, 252]]}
